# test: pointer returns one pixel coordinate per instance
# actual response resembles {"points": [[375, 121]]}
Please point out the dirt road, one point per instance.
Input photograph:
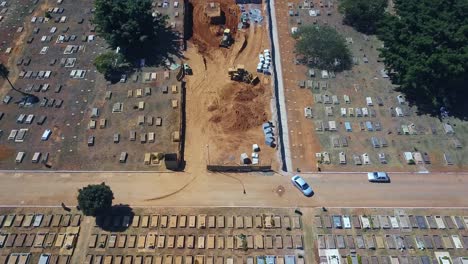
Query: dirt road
{"points": [[208, 189]]}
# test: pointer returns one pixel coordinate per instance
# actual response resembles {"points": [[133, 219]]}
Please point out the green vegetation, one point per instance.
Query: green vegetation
{"points": [[323, 47], [95, 199], [244, 242], [426, 53], [363, 15], [111, 64], [349, 259], [130, 25]]}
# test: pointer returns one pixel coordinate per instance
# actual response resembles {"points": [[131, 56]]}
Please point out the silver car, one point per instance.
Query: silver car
{"points": [[378, 177], [302, 185]]}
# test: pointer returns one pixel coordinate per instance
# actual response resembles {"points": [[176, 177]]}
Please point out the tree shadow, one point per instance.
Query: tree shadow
{"points": [[168, 48], [454, 105], [164, 49], [117, 219]]}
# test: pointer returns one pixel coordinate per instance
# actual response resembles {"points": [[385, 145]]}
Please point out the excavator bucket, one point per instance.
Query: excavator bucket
{"points": [[255, 80]]}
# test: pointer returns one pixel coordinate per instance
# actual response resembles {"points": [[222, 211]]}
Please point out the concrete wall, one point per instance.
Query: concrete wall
{"points": [[246, 168], [248, 1]]}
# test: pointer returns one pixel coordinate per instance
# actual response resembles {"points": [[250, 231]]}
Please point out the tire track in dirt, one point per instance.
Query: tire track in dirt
{"points": [[176, 191]]}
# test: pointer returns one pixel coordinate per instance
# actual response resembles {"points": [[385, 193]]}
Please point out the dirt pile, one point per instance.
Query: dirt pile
{"points": [[205, 35], [243, 107]]}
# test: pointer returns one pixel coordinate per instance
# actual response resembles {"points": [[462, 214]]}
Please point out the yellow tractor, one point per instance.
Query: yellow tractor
{"points": [[226, 40], [240, 74]]}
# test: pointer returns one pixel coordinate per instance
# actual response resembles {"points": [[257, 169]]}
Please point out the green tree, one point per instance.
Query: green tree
{"points": [[95, 199], [111, 64], [426, 52], [130, 25], [323, 47], [363, 15], [4, 72]]}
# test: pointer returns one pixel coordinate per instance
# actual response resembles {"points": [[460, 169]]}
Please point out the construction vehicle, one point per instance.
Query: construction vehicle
{"points": [[226, 40], [239, 74], [187, 69]]}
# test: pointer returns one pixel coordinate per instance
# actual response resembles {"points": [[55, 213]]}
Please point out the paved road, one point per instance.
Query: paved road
{"points": [[210, 189]]}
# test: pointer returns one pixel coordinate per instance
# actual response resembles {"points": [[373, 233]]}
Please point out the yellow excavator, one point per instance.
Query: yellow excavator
{"points": [[226, 40], [240, 74]]}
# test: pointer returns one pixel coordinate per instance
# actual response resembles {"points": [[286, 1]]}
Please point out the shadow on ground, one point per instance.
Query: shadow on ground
{"points": [[118, 219]]}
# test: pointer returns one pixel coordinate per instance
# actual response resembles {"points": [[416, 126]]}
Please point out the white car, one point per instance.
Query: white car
{"points": [[302, 185], [378, 177], [123, 78]]}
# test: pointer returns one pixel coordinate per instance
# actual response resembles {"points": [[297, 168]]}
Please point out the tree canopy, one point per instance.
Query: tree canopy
{"points": [[363, 15], [323, 47], [111, 64], [130, 25], [95, 199], [426, 52]]}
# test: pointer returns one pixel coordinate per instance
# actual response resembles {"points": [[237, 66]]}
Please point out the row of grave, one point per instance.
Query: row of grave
{"points": [[400, 242], [39, 220], [341, 141], [25, 258], [333, 99], [39, 240], [410, 158], [368, 125], [371, 126], [387, 222], [358, 160], [210, 241], [190, 259], [391, 260], [201, 221]]}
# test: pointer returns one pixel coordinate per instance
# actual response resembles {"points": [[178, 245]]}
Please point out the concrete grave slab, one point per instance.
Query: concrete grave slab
{"points": [[145, 221], [170, 241], [161, 241], [136, 221], [211, 221], [192, 221], [190, 241], [230, 242], [220, 221], [258, 221], [211, 242], [131, 241], [173, 221], [141, 241], [180, 241], [259, 242], [163, 221], [201, 242], [183, 221], [122, 239], [220, 242], [239, 222], [201, 221], [268, 242], [248, 221], [230, 221], [154, 221]]}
